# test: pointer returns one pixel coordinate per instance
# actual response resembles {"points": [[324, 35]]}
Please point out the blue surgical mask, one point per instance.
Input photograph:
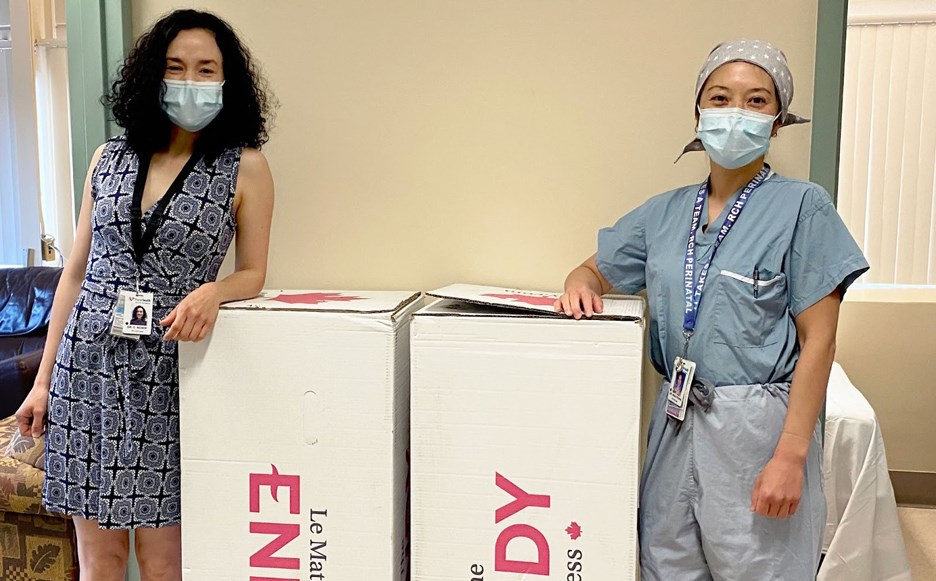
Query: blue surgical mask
{"points": [[734, 137], [192, 105]]}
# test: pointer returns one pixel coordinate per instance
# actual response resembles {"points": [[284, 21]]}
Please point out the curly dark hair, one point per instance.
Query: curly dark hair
{"points": [[135, 97]]}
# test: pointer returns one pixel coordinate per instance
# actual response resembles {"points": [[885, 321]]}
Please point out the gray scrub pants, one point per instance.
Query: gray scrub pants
{"points": [[695, 520]]}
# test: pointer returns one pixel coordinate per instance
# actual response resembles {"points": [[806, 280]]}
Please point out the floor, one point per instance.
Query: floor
{"points": [[919, 529]]}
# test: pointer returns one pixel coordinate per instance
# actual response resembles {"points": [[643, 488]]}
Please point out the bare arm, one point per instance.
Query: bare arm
{"points": [[778, 489], [254, 215], [30, 416], [583, 289], [815, 329], [195, 315]]}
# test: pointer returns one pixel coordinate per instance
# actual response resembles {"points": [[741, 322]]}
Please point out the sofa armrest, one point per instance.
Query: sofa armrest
{"points": [[17, 375], [20, 481]]}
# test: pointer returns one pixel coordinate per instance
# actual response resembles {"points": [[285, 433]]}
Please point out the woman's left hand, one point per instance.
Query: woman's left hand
{"points": [[778, 488], [194, 316]]}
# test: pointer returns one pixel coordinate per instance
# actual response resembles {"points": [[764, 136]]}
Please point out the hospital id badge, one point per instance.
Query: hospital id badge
{"points": [[138, 314], [677, 396]]}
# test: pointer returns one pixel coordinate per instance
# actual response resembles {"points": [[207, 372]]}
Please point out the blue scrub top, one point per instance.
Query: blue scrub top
{"points": [[789, 233]]}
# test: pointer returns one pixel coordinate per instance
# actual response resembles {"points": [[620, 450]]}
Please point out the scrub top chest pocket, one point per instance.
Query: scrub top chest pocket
{"points": [[750, 305]]}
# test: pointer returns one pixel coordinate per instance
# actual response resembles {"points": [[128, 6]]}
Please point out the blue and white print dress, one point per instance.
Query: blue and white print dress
{"points": [[112, 446]]}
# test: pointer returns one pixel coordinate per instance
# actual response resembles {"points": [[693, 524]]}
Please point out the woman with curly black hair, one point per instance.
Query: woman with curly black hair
{"points": [[161, 205]]}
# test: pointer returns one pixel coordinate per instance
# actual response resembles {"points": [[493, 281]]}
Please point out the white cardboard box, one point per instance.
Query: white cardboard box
{"points": [[525, 439], [294, 433]]}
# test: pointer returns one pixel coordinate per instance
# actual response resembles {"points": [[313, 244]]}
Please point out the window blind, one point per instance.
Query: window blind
{"points": [[887, 172]]}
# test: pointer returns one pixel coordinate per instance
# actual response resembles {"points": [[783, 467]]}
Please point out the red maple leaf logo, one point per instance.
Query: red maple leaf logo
{"points": [[314, 298], [530, 300], [574, 530]]}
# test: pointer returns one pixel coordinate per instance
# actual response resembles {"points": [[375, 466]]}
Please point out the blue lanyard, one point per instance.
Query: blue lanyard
{"points": [[692, 288]]}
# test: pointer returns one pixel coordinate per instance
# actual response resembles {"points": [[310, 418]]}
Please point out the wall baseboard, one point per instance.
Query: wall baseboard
{"points": [[917, 488]]}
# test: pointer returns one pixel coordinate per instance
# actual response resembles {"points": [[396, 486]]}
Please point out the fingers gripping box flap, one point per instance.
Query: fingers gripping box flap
{"points": [[294, 429], [533, 303], [525, 442]]}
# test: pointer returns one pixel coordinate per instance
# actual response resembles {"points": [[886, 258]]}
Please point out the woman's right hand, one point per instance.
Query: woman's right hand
{"points": [[30, 417], [583, 289], [579, 300]]}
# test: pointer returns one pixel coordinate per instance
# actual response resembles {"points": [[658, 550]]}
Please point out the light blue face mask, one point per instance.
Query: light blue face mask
{"points": [[192, 105], [734, 137]]}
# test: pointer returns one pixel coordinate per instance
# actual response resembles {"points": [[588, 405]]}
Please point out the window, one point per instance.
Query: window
{"points": [[887, 172], [35, 159], [53, 126]]}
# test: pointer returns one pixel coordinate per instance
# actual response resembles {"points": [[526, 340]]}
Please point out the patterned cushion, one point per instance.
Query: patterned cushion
{"points": [[7, 430], [34, 545], [37, 548], [20, 482], [25, 449]]}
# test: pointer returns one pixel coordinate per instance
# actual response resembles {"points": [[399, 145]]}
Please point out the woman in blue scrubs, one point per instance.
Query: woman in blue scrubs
{"points": [[744, 276]]}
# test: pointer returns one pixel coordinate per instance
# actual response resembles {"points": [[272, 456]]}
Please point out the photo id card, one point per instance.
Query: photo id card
{"points": [[123, 315], [137, 314], [677, 397]]}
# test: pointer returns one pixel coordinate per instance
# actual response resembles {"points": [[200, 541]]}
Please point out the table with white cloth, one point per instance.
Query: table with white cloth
{"points": [[863, 541]]}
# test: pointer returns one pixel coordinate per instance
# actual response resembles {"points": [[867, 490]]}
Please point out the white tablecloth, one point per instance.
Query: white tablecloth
{"points": [[862, 541]]}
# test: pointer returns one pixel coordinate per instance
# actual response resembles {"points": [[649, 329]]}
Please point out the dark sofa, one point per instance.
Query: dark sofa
{"points": [[25, 307], [34, 544]]}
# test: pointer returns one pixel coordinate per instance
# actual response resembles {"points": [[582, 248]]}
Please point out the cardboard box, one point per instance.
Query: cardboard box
{"points": [[294, 430], [525, 438]]}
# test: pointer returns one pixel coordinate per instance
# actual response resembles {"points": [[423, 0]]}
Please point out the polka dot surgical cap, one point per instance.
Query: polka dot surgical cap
{"points": [[759, 53], [762, 54]]}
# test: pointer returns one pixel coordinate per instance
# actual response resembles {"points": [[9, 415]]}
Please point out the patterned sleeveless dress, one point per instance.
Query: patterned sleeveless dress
{"points": [[112, 446]]}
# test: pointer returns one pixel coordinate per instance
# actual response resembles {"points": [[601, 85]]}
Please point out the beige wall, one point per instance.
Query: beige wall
{"points": [[422, 143], [887, 349]]}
